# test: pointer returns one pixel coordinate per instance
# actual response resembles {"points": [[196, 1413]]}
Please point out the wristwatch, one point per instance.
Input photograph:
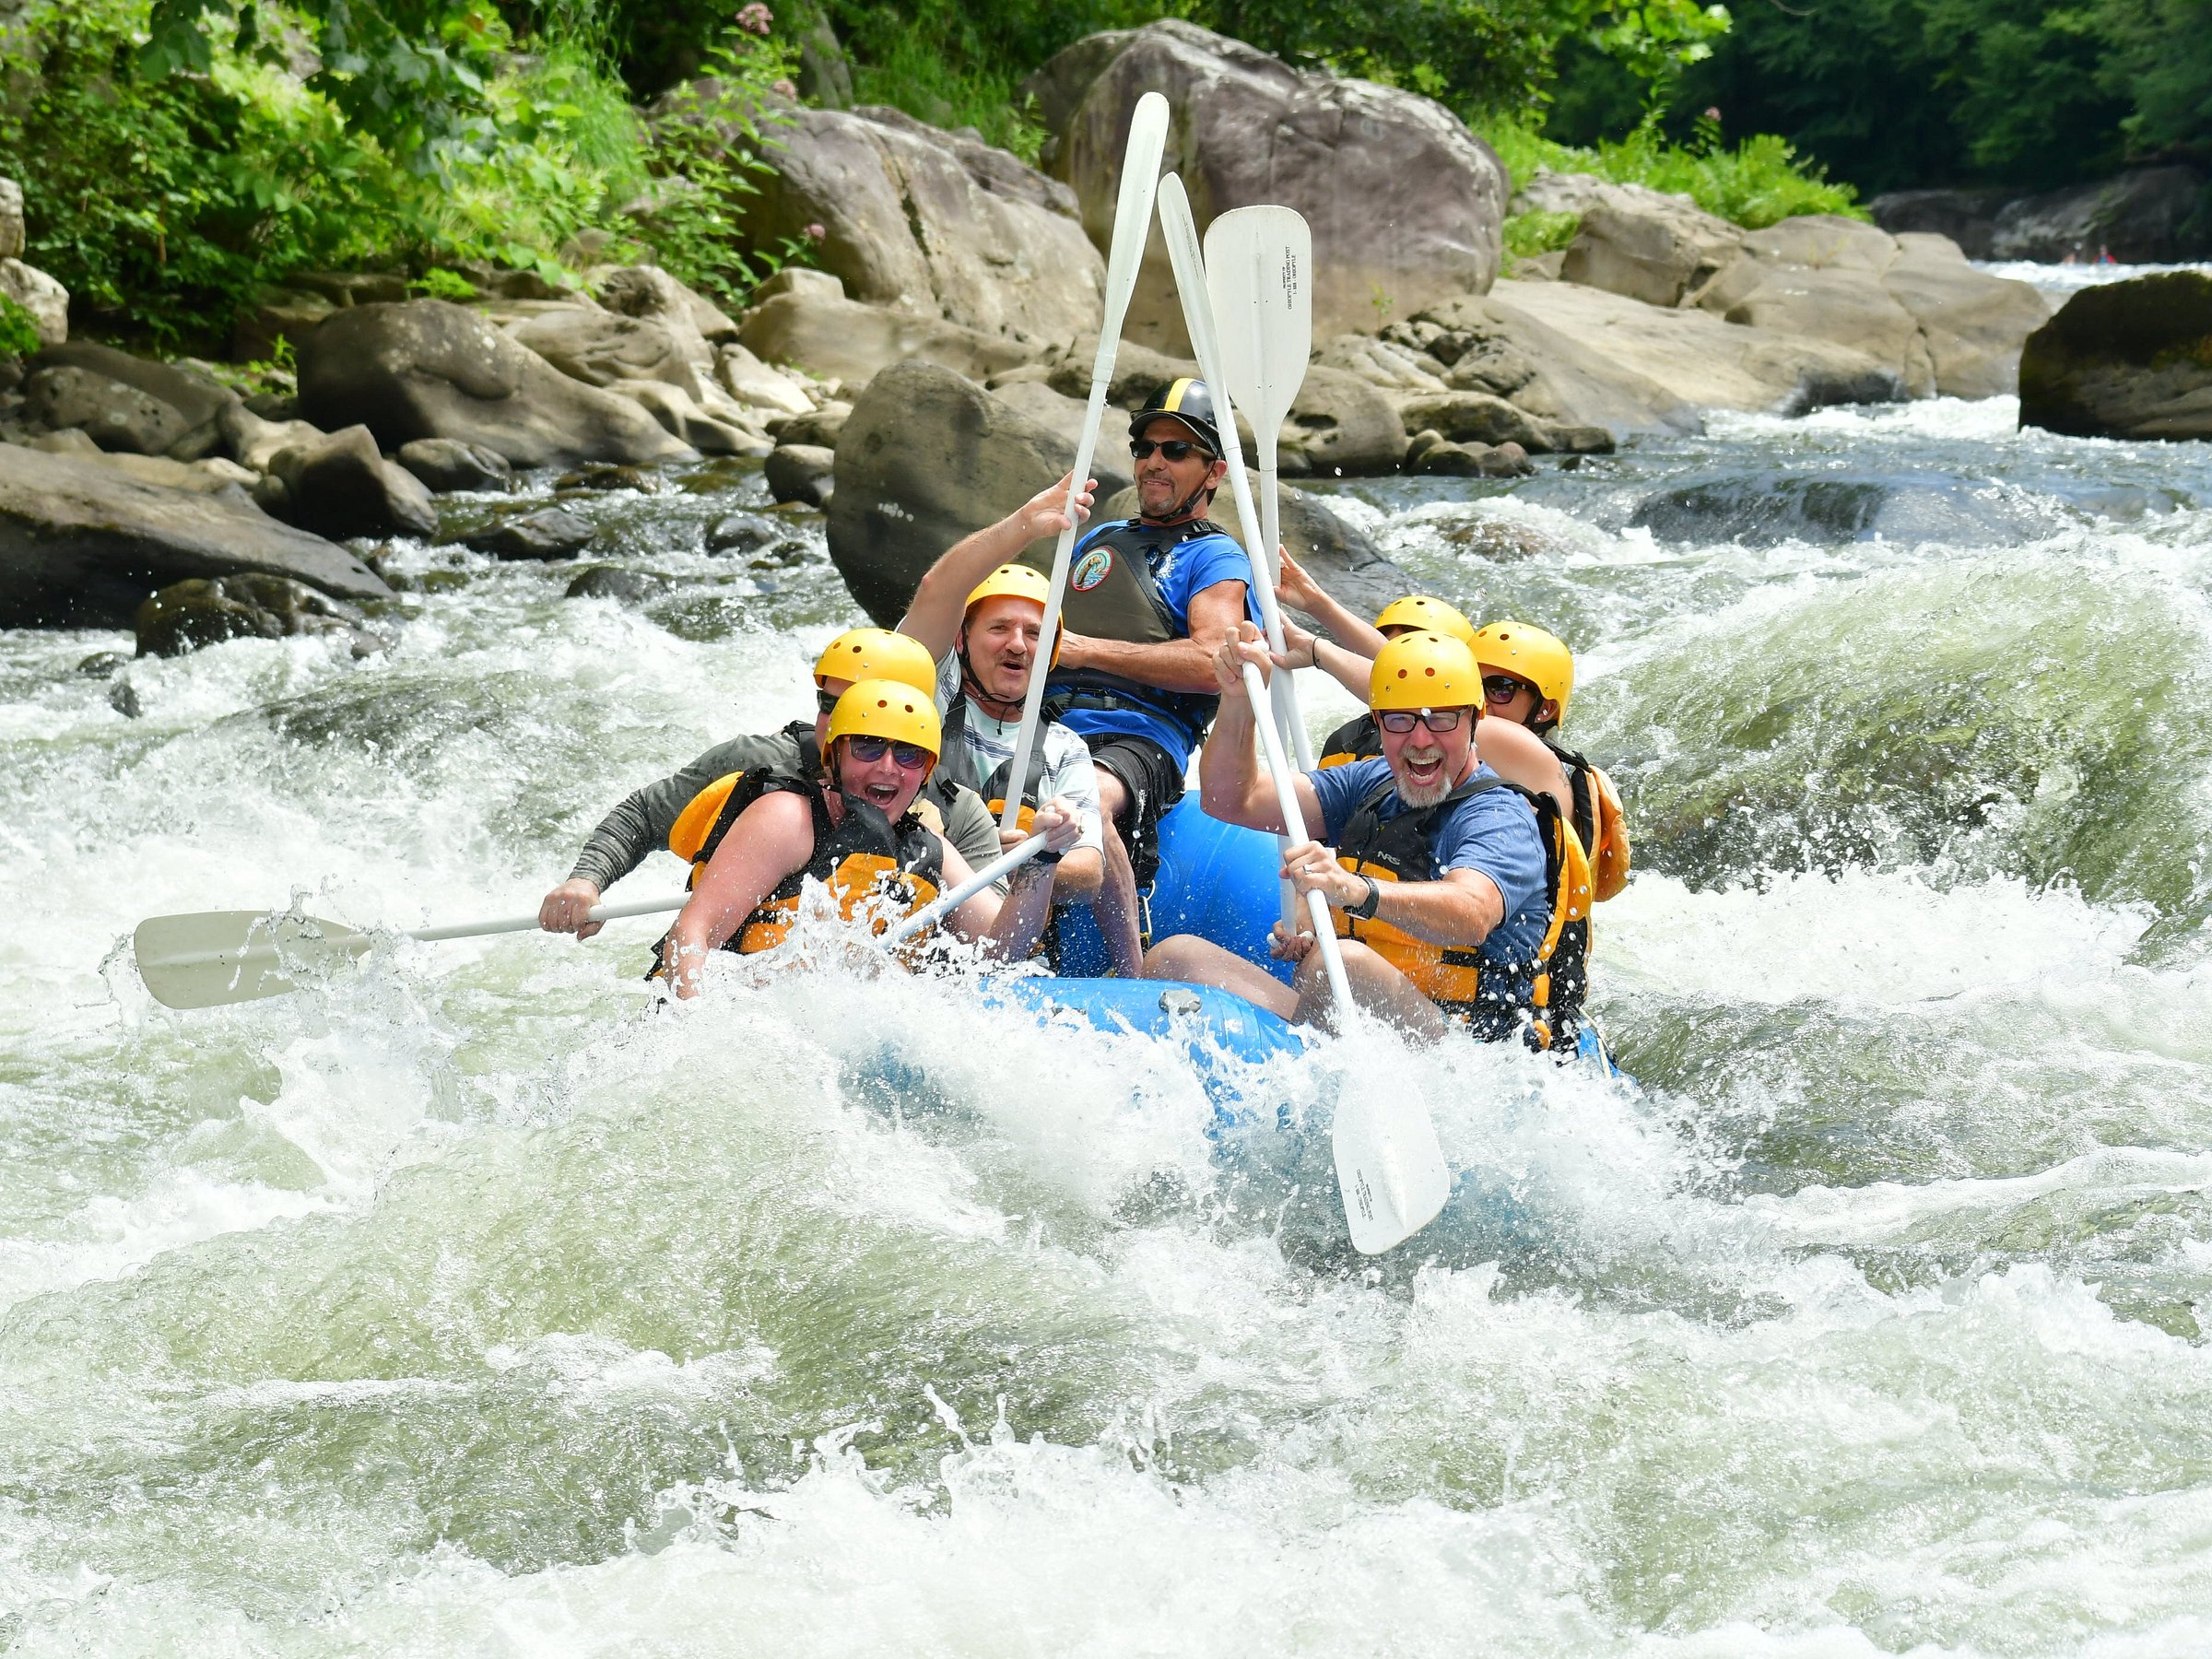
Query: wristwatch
{"points": [[1365, 909]]}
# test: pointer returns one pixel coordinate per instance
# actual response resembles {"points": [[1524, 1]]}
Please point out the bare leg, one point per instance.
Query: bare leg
{"points": [[1202, 962], [1376, 986], [1115, 906]]}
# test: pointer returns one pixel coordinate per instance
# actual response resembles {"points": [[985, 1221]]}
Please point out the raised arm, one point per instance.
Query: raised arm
{"points": [[1297, 588], [1234, 784], [1519, 756], [940, 601], [771, 838]]}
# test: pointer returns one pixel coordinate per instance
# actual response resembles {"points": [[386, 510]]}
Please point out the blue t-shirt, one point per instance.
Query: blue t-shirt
{"points": [[1494, 832], [1183, 572]]}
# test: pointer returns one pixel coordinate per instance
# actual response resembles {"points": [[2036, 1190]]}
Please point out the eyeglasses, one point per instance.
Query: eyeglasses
{"points": [[1399, 722], [1174, 448], [825, 703], [912, 756], [1503, 687]]}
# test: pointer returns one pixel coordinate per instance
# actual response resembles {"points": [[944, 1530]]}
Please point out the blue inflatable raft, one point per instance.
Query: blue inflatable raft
{"points": [[1215, 880]]}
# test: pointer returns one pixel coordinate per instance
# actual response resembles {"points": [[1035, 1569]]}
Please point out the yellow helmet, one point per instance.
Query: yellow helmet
{"points": [[1527, 652], [866, 654], [1019, 582], [1425, 670], [1418, 610], [885, 708]]}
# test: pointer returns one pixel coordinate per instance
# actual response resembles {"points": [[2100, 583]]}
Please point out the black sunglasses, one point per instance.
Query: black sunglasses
{"points": [[1400, 721], [1174, 448], [912, 756], [1503, 687], [825, 703]]}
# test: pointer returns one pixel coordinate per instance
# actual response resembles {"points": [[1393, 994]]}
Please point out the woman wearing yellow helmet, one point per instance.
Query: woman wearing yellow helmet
{"points": [[856, 833]]}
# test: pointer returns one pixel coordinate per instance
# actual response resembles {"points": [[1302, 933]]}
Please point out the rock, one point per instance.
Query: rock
{"points": [[81, 544], [753, 383], [186, 615], [353, 288], [1393, 365], [1139, 371], [2129, 359], [1655, 256], [213, 475], [274, 405], [253, 443], [819, 427], [112, 415], [1339, 425], [197, 402], [842, 339], [445, 465], [648, 291], [741, 532], [430, 370], [932, 225], [1480, 417], [1507, 460], [602, 349], [338, 485], [1846, 305], [1967, 216], [604, 476], [46, 300], [278, 314], [1706, 362], [927, 457], [1056, 412], [1405, 204], [684, 418], [1974, 323], [803, 472], [123, 697], [102, 664], [549, 533], [67, 441], [1823, 241], [1489, 345], [11, 220], [618, 583], [2147, 215], [800, 280]]}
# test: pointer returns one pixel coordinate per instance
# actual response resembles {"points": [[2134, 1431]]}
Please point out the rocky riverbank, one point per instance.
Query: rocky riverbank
{"points": [[955, 288]]}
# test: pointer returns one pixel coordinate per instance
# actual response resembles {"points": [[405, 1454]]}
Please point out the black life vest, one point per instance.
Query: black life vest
{"points": [[1494, 998], [864, 858], [1600, 821], [1358, 738], [957, 765], [1114, 593]]}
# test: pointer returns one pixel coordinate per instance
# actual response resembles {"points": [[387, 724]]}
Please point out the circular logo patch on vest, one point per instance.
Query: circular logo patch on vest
{"points": [[1091, 570]]}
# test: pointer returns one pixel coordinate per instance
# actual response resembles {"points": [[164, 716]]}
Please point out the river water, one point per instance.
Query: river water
{"points": [[470, 1306]]}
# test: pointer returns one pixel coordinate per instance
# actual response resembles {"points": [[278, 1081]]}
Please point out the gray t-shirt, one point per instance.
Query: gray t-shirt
{"points": [[990, 744]]}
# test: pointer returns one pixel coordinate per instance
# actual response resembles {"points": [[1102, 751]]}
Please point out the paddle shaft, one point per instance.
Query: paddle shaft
{"points": [[1131, 224], [930, 914], [1294, 821]]}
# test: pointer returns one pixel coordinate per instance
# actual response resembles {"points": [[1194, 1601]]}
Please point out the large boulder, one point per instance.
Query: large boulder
{"points": [[1488, 343], [1967, 216], [81, 544], [186, 615], [445, 465], [2148, 216], [930, 224], [927, 457], [112, 415], [193, 406], [835, 339], [752, 382], [46, 300], [648, 291], [1974, 323], [338, 485], [1708, 363], [601, 348], [426, 369], [1633, 241], [2129, 359], [1340, 427], [1405, 204]]}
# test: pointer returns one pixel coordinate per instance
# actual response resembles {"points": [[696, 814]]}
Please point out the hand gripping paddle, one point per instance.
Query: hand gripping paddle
{"points": [[1131, 226], [1258, 265], [1390, 1169]]}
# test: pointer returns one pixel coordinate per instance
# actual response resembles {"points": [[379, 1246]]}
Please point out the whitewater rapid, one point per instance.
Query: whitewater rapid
{"points": [[471, 1305]]}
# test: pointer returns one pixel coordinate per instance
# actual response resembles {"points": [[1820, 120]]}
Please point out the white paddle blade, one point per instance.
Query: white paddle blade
{"points": [[1133, 211], [1389, 1169], [1259, 264], [213, 958]]}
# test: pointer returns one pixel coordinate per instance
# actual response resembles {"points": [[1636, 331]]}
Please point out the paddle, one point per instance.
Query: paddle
{"points": [[213, 958], [1256, 266], [1131, 226], [1390, 1169], [1182, 234], [930, 914]]}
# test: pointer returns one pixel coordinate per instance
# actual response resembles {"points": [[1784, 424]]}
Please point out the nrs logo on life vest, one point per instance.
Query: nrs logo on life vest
{"points": [[1091, 570]]}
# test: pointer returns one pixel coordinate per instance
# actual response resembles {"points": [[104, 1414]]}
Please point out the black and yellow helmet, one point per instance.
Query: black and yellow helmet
{"points": [[1186, 400]]}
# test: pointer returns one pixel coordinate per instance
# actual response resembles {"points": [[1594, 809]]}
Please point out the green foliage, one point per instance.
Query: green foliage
{"points": [[1756, 183], [18, 330], [441, 284], [1531, 235]]}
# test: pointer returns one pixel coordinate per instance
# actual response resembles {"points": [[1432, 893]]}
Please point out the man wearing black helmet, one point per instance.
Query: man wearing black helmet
{"points": [[1150, 600]]}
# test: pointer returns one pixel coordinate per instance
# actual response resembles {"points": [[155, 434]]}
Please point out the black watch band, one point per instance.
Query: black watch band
{"points": [[1365, 909]]}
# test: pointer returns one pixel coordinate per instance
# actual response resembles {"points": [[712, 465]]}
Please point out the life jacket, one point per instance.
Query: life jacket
{"points": [[1112, 594], [1358, 738], [959, 766], [1543, 996], [1600, 821], [863, 858]]}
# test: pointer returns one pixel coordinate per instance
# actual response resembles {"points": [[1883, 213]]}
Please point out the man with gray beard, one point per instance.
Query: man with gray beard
{"points": [[1434, 867]]}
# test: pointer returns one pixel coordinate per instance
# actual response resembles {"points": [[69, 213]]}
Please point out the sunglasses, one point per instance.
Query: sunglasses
{"points": [[1503, 687], [825, 703], [1400, 721], [912, 756], [1174, 448]]}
